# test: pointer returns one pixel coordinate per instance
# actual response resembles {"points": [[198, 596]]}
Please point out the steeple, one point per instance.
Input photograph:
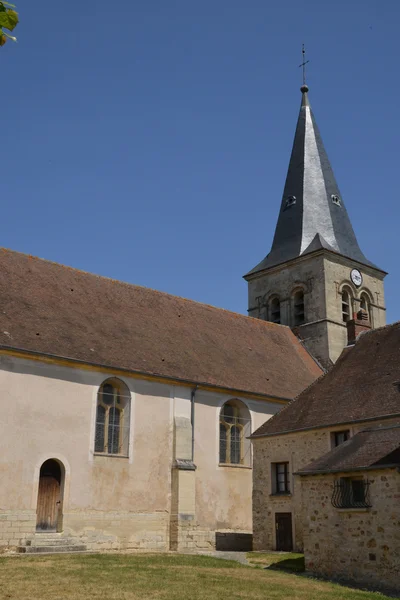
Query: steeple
{"points": [[315, 279], [312, 214]]}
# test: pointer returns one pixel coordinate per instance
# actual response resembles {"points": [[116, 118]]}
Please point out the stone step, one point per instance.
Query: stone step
{"points": [[39, 541], [51, 549]]}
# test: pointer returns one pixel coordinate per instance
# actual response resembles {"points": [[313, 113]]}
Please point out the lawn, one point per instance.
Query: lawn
{"points": [[162, 577]]}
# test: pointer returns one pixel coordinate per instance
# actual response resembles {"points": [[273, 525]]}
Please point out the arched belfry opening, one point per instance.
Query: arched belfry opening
{"points": [[50, 496]]}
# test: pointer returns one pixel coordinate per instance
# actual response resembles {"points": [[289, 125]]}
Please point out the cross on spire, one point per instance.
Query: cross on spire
{"points": [[303, 64]]}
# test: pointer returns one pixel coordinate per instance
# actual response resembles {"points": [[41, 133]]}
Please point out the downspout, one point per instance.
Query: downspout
{"points": [[192, 395]]}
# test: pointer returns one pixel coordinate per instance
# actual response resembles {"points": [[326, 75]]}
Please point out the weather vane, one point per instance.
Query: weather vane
{"points": [[303, 64]]}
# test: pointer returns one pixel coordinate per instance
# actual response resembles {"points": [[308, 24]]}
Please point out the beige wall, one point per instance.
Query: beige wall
{"points": [[113, 502], [299, 449], [362, 545]]}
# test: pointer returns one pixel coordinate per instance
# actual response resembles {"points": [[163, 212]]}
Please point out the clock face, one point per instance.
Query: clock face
{"points": [[356, 277]]}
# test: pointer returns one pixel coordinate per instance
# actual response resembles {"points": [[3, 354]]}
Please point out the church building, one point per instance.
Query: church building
{"points": [[127, 413], [315, 277]]}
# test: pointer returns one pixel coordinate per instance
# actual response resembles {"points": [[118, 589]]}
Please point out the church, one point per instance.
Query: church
{"points": [[127, 412]]}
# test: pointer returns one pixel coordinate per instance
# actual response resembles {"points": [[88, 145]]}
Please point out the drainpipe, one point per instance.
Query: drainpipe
{"points": [[192, 395]]}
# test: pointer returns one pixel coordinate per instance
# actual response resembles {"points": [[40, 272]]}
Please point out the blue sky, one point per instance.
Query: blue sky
{"points": [[148, 140]]}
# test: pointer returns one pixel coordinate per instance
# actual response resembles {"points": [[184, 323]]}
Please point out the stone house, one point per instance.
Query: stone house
{"points": [[327, 467], [126, 412]]}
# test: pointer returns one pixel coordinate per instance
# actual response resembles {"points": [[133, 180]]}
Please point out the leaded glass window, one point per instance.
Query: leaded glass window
{"points": [[112, 419], [234, 429]]}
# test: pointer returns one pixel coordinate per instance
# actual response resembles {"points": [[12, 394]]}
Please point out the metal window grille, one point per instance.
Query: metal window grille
{"points": [[234, 447], [351, 493], [112, 421]]}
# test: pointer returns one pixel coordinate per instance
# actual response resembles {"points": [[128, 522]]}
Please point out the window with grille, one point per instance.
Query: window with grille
{"points": [[234, 429], [112, 419], [280, 478], [351, 492]]}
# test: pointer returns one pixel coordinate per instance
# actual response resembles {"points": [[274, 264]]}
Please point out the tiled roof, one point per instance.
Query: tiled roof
{"points": [[360, 386], [378, 447], [59, 311]]}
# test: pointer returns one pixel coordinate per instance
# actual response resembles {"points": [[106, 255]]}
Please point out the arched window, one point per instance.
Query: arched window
{"points": [[365, 304], [112, 418], [275, 310], [234, 429], [298, 307], [347, 305]]}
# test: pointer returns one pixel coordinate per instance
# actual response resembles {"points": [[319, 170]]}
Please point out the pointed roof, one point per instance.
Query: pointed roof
{"points": [[312, 215]]}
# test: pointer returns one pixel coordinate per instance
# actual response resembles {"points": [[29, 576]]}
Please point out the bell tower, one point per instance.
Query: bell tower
{"points": [[315, 278]]}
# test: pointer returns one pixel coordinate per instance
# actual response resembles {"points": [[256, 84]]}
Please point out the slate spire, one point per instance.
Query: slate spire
{"points": [[312, 214]]}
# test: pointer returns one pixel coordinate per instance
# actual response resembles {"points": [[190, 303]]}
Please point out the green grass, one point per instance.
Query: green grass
{"points": [[158, 577], [285, 561]]}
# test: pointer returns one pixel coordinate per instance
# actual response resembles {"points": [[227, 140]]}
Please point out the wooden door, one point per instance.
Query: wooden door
{"points": [[283, 526], [48, 503]]}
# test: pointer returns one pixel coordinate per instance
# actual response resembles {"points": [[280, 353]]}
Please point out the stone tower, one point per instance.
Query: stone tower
{"points": [[315, 278]]}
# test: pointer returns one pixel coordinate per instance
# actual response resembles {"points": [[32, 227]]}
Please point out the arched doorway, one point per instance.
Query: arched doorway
{"points": [[49, 504]]}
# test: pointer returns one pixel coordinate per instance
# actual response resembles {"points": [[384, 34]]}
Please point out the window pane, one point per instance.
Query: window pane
{"points": [[222, 443], [99, 434], [113, 430], [228, 413], [108, 394], [235, 445], [358, 490], [341, 437], [282, 477]]}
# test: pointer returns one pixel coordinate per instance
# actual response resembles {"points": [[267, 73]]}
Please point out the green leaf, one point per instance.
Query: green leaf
{"points": [[3, 39], [9, 19], [13, 19]]}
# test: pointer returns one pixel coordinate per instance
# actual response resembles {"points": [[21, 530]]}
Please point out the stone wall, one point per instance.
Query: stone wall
{"points": [[321, 276], [360, 545], [298, 449], [16, 526]]}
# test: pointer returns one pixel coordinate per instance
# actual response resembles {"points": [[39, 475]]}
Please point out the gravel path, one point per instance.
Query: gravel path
{"points": [[238, 556]]}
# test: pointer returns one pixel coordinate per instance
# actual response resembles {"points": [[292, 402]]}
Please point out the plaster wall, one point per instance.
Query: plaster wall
{"points": [[112, 502]]}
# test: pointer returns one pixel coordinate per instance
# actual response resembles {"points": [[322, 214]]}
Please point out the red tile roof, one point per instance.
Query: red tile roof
{"points": [[360, 386], [59, 311]]}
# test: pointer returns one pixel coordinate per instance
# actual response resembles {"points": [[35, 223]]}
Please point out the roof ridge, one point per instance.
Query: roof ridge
{"points": [[142, 287]]}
